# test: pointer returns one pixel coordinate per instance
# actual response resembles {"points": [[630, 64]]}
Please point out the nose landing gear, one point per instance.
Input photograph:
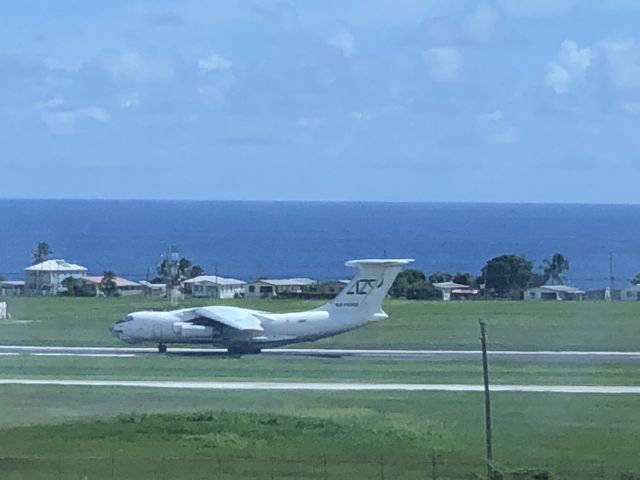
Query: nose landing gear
{"points": [[162, 348]]}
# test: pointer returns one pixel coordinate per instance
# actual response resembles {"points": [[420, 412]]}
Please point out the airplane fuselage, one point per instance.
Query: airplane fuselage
{"points": [[279, 328]]}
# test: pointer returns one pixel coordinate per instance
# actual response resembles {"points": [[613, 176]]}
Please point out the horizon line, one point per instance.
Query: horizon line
{"points": [[316, 201]]}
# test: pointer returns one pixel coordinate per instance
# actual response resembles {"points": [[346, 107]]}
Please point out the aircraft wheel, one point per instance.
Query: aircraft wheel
{"points": [[162, 348], [243, 350]]}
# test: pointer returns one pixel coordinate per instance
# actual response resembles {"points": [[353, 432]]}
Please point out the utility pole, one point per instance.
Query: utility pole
{"points": [[487, 398], [611, 277]]}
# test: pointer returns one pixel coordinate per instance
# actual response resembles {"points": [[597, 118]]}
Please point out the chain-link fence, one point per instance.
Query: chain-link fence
{"points": [[320, 467]]}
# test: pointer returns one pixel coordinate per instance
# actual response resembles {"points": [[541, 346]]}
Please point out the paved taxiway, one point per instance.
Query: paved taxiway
{"points": [[330, 386], [435, 355]]}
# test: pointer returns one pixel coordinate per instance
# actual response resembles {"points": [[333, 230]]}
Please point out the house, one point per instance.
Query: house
{"points": [[46, 278], [554, 292], [90, 286], [273, 287], [153, 289], [631, 294], [214, 286], [455, 291], [11, 287]]}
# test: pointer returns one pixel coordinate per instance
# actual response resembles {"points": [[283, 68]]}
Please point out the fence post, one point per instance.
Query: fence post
{"points": [[272, 472], [113, 467], [162, 469], [382, 467], [219, 468], [433, 465], [324, 464]]}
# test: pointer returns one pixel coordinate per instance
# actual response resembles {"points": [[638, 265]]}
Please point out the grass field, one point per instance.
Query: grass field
{"points": [[265, 368], [412, 324], [575, 436], [100, 432]]}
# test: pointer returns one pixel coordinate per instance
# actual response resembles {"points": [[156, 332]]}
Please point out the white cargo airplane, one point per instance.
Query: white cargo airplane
{"points": [[243, 330]]}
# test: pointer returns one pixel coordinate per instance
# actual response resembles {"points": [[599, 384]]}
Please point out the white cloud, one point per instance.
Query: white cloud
{"points": [[558, 78], [574, 57], [481, 22], [53, 63], [535, 8], [310, 122], [490, 117], [64, 121], [129, 100], [444, 63], [50, 103], [507, 136], [632, 107], [213, 62], [570, 65], [134, 66], [343, 40], [623, 62]]}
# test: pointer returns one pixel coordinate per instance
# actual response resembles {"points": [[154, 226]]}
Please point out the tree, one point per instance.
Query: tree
{"points": [[439, 277], [508, 274], [464, 278], [108, 284], [41, 253], [555, 268], [196, 271], [422, 291], [405, 281], [636, 279], [173, 273]]}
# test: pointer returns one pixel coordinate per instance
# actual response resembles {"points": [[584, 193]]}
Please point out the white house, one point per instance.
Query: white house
{"points": [[272, 287], [213, 286], [46, 278], [453, 290], [11, 287], [553, 292], [631, 294]]}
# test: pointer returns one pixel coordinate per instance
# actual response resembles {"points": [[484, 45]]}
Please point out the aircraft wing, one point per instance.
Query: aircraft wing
{"points": [[234, 317]]}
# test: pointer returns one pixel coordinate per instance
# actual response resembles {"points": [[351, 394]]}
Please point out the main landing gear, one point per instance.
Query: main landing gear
{"points": [[243, 350], [162, 348]]}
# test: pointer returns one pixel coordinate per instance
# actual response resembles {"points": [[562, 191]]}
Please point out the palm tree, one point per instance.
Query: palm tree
{"points": [[41, 253], [555, 268], [108, 284]]}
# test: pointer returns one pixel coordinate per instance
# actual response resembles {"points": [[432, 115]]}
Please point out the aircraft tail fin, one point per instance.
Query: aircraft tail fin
{"points": [[368, 288]]}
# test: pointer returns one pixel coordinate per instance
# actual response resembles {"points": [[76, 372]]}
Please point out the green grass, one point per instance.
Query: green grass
{"points": [[571, 434], [52, 431], [412, 324], [265, 368]]}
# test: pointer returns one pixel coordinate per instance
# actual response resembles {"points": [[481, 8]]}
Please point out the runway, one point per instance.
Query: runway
{"points": [[329, 386], [393, 354]]}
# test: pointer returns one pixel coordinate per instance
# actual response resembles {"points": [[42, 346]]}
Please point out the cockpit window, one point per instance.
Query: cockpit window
{"points": [[128, 318]]}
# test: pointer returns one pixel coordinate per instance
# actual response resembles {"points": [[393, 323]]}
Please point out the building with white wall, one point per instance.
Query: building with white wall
{"points": [[631, 294], [553, 292], [272, 287], [46, 278], [213, 286]]}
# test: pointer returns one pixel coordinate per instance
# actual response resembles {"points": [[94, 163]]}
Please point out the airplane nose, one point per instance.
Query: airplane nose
{"points": [[113, 331]]}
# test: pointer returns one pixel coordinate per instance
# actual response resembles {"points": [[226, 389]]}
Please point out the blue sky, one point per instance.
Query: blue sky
{"points": [[368, 100]]}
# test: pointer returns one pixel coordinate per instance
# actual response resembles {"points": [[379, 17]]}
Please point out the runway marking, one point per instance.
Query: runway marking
{"points": [[62, 354], [325, 351], [329, 386]]}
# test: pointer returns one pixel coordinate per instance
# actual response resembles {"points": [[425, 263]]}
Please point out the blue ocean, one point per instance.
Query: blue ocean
{"points": [[250, 239]]}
